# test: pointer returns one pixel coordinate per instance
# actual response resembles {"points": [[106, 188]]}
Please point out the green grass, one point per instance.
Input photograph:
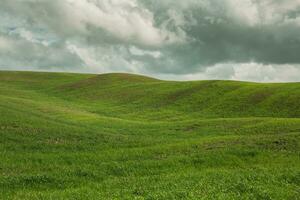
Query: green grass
{"points": [[121, 136]]}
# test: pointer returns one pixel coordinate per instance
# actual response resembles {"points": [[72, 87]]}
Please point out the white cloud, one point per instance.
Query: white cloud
{"points": [[243, 71], [139, 52], [31, 37], [266, 73], [123, 19], [106, 59], [5, 43], [245, 10]]}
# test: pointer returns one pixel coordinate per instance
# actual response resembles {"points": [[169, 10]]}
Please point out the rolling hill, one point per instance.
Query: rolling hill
{"points": [[124, 136]]}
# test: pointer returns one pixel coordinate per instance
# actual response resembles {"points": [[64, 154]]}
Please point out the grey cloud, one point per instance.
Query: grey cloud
{"points": [[19, 53], [220, 36], [191, 36]]}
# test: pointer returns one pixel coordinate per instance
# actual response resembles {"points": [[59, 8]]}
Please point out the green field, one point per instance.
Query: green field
{"points": [[122, 136]]}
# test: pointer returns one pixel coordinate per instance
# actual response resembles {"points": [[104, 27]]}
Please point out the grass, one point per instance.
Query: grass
{"points": [[121, 136]]}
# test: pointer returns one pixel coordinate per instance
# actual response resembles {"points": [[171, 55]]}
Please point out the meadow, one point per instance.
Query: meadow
{"points": [[124, 136]]}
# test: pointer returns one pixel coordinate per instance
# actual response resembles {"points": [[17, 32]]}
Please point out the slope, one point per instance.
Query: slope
{"points": [[121, 136]]}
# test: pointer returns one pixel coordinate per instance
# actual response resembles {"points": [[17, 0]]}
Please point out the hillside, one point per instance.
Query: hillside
{"points": [[139, 94], [124, 136]]}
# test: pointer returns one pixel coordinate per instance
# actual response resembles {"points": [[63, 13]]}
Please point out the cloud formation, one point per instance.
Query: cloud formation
{"points": [[191, 39]]}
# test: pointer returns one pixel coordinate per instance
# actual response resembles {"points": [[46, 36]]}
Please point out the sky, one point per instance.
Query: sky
{"points": [[249, 40]]}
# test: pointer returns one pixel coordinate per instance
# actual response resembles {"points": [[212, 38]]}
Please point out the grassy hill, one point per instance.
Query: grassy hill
{"points": [[123, 136]]}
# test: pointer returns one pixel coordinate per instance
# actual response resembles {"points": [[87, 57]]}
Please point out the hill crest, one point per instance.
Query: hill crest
{"points": [[138, 96]]}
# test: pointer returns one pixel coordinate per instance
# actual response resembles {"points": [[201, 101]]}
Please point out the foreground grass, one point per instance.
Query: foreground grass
{"points": [[120, 136]]}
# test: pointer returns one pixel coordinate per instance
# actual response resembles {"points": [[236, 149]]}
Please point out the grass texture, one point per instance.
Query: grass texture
{"points": [[123, 136]]}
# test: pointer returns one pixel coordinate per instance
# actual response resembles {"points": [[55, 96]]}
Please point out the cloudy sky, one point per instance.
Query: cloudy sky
{"points": [[256, 40]]}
